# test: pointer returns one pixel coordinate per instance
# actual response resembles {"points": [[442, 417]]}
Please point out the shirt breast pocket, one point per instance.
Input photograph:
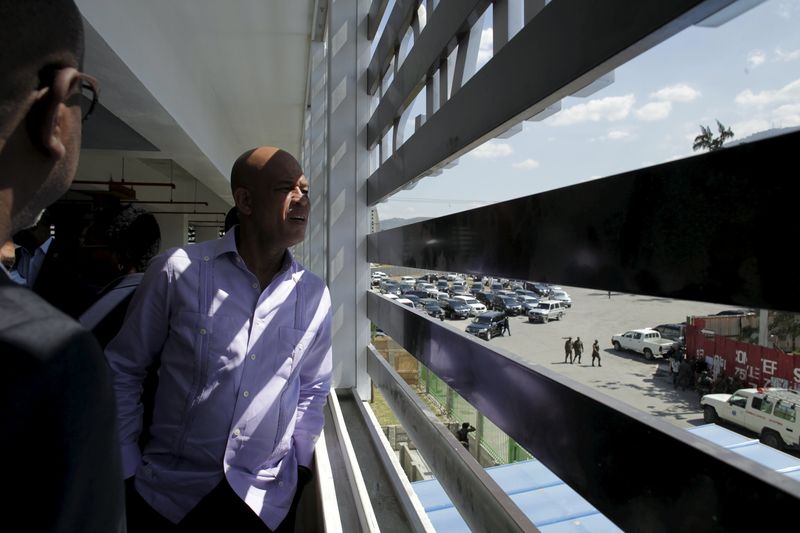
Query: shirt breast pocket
{"points": [[293, 344]]}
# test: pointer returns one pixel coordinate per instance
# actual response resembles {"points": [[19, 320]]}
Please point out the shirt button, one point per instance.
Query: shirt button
{"points": [[237, 432], [280, 483], [300, 346], [206, 258], [255, 285], [246, 394], [253, 356], [202, 331]]}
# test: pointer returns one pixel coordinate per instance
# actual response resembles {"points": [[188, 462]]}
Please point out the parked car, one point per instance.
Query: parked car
{"points": [[414, 298], [673, 332], [496, 286], [431, 306], [771, 412], [539, 288], [647, 342], [485, 298], [455, 309], [547, 310], [487, 325], [408, 279], [405, 287], [380, 275], [507, 305], [389, 287], [561, 296], [476, 308], [735, 312], [407, 302], [424, 286], [416, 293], [527, 302], [442, 285]]}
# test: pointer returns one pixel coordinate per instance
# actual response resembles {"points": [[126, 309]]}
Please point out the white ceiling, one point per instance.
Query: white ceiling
{"points": [[200, 80]]}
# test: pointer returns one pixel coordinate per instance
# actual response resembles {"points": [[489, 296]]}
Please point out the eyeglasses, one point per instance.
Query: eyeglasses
{"points": [[88, 94]]}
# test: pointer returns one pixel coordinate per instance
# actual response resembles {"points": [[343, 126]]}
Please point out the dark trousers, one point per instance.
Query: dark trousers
{"points": [[220, 510]]}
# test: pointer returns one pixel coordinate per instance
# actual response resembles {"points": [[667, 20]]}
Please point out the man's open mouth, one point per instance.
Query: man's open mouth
{"points": [[299, 218]]}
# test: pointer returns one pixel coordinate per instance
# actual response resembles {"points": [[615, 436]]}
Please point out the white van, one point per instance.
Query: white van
{"points": [[772, 413]]}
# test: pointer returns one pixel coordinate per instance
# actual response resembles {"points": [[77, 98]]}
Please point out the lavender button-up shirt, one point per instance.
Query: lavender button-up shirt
{"points": [[243, 377]]}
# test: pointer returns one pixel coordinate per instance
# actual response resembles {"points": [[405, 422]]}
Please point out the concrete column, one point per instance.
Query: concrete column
{"points": [[348, 168], [317, 168]]}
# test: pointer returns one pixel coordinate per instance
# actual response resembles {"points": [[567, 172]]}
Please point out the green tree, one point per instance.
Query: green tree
{"points": [[785, 326], [707, 141]]}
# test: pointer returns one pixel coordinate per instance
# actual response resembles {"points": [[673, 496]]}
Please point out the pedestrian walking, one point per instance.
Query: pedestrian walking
{"points": [[596, 352], [577, 347], [568, 350], [506, 327]]}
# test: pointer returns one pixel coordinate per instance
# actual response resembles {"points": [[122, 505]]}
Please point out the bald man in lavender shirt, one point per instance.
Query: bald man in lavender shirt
{"points": [[241, 335]]}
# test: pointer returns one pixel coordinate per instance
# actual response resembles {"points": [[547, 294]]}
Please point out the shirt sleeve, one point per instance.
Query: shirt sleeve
{"points": [[132, 351], [315, 380]]}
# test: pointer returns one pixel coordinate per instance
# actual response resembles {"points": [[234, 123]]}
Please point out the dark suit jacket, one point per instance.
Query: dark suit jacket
{"points": [[61, 465]]}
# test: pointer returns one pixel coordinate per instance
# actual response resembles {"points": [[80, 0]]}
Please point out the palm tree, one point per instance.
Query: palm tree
{"points": [[707, 141]]}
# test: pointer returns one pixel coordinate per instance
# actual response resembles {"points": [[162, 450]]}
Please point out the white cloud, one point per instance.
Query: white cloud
{"points": [[528, 164], [784, 57], [610, 108], [485, 50], [654, 111], [749, 127], [787, 115], [676, 93], [755, 58], [616, 135], [786, 8], [492, 150], [613, 135], [787, 94]]}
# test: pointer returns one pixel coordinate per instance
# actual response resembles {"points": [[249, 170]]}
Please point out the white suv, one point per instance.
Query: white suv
{"points": [[475, 307], [546, 311]]}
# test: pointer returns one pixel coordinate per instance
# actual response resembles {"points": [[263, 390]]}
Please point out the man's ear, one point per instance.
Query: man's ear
{"points": [[244, 201], [54, 127]]}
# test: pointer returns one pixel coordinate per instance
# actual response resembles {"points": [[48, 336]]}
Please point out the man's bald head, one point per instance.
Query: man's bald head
{"points": [[35, 36], [264, 163]]}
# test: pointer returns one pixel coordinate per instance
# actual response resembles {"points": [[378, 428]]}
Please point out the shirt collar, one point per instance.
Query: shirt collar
{"points": [[227, 245], [46, 245]]}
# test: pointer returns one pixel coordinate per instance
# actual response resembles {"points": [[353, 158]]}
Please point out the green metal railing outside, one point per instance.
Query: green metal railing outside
{"points": [[494, 441]]}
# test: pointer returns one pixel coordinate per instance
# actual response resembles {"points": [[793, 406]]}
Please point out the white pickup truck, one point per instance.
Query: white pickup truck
{"points": [[647, 342], [772, 413]]}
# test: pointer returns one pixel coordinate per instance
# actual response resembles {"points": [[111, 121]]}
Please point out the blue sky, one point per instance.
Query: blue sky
{"points": [[746, 73]]}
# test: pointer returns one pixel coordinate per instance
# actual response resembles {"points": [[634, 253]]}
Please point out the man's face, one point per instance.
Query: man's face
{"points": [[56, 173], [282, 208]]}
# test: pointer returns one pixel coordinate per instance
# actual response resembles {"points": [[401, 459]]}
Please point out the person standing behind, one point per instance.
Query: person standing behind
{"points": [[568, 350], [596, 352], [463, 434], [242, 336], [577, 346], [34, 243], [61, 456], [506, 327]]}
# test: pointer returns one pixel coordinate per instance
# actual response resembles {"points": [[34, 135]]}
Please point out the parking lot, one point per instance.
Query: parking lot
{"points": [[627, 377]]}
